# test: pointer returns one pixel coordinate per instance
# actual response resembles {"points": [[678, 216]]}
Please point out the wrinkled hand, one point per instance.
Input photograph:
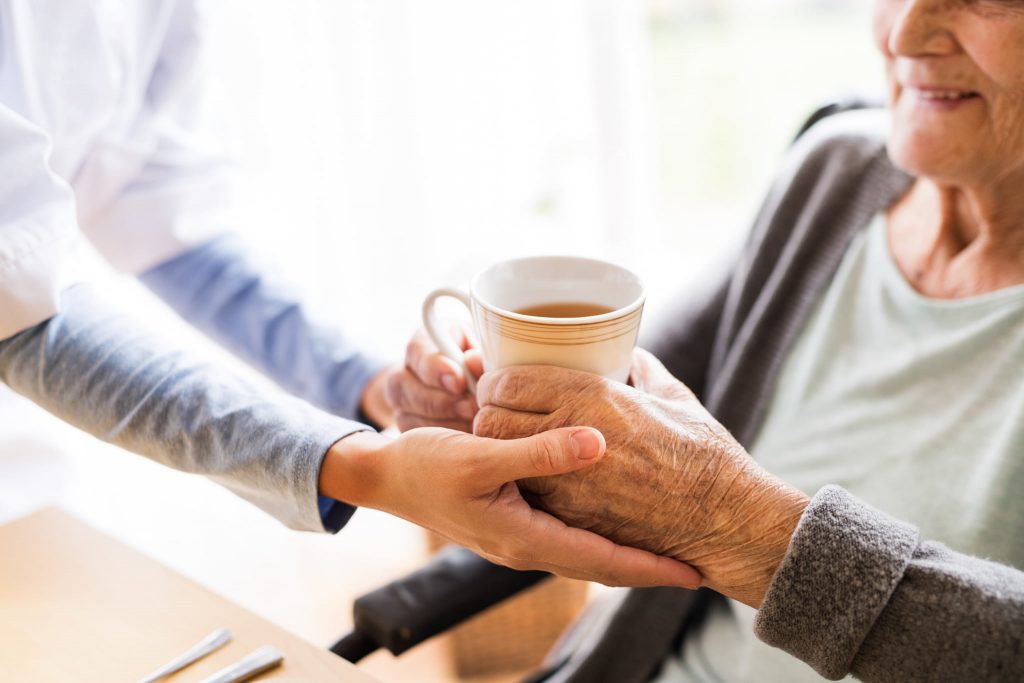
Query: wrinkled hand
{"points": [[463, 487], [674, 481], [430, 390]]}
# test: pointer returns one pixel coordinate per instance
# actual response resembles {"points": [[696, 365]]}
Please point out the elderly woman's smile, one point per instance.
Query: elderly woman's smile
{"points": [[956, 86], [940, 97]]}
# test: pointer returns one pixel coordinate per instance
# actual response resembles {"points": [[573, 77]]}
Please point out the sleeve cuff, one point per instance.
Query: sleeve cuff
{"points": [[320, 513], [843, 564], [308, 434], [334, 514]]}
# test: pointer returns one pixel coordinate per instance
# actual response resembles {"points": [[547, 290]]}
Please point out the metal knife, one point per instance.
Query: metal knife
{"points": [[252, 665]]}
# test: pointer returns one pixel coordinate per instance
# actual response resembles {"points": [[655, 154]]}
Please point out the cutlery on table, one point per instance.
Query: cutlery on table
{"points": [[252, 665], [207, 645]]}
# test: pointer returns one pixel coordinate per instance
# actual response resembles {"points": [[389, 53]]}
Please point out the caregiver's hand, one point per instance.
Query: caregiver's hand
{"points": [[463, 487], [674, 481], [430, 390], [374, 403]]}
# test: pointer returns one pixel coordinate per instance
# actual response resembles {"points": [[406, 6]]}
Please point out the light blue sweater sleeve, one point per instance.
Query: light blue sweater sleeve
{"points": [[104, 372], [223, 289]]}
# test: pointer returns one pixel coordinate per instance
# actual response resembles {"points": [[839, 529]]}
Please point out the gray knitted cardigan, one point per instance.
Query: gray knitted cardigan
{"points": [[858, 591]]}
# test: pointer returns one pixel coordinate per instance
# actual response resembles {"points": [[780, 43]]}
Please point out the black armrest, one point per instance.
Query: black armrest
{"points": [[455, 585]]}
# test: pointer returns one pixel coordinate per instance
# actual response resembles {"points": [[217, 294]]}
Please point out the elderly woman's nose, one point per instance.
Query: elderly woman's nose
{"points": [[921, 28]]}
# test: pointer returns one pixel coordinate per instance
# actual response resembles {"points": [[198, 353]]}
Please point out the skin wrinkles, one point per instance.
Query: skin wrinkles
{"points": [[673, 481], [959, 230], [668, 487]]}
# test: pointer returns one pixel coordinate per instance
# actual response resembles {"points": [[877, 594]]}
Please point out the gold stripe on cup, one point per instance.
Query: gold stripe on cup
{"points": [[558, 334]]}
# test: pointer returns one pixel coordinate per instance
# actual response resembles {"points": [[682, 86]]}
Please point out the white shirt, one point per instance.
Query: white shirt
{"points": [[100, 134]]}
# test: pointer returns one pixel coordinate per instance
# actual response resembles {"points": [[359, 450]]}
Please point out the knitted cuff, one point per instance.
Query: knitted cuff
{"points": [[843, 564]]}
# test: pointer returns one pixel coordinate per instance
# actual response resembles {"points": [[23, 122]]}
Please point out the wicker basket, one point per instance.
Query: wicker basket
{"points": [[515, 635]]}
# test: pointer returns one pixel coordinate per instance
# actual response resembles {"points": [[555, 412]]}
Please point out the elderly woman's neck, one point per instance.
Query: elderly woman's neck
{"points": [[953, 241]]}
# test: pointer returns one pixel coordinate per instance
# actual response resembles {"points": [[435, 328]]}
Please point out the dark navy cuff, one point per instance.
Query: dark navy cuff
{"points": [[334, 514]]}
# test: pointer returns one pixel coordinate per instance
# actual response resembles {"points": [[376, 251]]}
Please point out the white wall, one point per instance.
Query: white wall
{"points": [[393, 146]]}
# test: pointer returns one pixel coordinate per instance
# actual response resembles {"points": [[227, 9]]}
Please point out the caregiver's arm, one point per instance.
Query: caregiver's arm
{"points": [[167, 220], [102, 371], [229, 293]]}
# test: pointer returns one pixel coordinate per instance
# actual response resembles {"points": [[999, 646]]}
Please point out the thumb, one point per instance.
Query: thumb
{"points": [[554, 452], [649, 375]]}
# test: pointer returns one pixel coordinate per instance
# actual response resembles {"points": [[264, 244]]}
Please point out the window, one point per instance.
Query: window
{"points": [[390, 147]]}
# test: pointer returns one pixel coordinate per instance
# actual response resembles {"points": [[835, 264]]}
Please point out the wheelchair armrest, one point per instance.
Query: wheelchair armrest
{"points": [[455, 585], [848, 103]]}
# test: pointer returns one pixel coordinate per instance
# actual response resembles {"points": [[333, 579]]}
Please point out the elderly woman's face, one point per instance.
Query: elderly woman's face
{"points": [[956, 84]]}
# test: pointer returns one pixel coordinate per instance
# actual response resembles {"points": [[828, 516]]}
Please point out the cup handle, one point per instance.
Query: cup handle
{"points": [[437, 333]]}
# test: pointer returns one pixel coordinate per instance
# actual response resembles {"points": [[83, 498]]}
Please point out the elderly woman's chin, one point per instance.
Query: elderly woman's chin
{"points": [[941, 152]]}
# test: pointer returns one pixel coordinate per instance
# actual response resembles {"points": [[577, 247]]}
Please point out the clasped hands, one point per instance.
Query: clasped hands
{"points": [[585, 477]]}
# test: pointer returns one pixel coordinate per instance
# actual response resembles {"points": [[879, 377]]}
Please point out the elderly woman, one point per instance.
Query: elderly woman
{"points": [[867, 346]]}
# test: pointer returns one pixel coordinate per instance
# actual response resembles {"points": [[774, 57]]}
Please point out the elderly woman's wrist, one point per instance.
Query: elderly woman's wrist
{"points": [[780, 522], [749, 550]]}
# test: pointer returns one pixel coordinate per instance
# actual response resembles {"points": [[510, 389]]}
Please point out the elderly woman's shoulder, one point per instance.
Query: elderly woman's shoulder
{"points": [[848, 136], [866, 128]]}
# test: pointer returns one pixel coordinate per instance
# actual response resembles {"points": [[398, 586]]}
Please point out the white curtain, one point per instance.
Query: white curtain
{"points": [[391, 146]]}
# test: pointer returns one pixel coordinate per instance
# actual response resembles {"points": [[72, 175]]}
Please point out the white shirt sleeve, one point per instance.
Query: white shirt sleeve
{"points": [[37, 226], [158, 185]]}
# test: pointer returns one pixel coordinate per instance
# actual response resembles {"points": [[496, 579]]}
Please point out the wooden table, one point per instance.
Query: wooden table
{"points": [[78, 606]]}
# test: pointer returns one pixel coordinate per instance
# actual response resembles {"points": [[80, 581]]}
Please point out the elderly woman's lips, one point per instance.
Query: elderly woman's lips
{"points": [[941, 98]]}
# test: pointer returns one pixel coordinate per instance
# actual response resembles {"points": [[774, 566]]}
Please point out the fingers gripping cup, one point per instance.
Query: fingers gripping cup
{"points": [[571, 312]]}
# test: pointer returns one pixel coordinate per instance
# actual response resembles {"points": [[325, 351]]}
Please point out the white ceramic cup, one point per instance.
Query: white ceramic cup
{"points": [[600, 344]]}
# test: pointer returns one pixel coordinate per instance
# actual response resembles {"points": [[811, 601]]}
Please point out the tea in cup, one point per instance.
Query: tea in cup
{"points": [[575, 313]]}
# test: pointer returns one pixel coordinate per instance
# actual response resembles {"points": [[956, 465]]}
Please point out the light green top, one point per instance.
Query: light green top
{"points": [[913, 404]]}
